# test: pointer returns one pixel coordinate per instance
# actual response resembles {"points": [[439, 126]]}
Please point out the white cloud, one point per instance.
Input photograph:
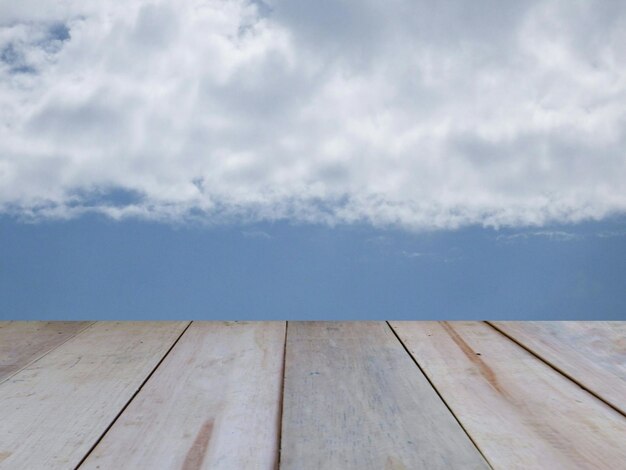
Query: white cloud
{"points": [[407, 112], [552, 235], [415, 254], [258, 234]]}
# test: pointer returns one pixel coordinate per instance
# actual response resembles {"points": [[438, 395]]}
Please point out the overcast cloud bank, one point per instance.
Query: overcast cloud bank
{"points": [[410, 113]]}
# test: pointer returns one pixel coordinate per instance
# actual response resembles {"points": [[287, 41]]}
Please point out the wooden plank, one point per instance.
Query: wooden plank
{"points": [[591, 353], [54, 410], [22, 342], [354, 399], [214, 403], [519, 411]]}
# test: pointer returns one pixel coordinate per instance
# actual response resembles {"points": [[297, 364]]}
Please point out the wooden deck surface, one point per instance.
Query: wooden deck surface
{"points": [[312, 395]]}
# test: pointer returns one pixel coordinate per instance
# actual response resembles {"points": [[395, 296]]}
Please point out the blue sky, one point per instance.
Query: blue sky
{"points": [[97, 268], [290, 158]]}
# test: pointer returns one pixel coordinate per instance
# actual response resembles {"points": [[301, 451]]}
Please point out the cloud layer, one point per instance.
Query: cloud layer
{"points": [[411, 113]]}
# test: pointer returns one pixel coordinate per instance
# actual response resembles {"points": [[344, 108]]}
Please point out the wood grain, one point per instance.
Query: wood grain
{"points": [[591, 353], [519, 411], [214, 403], [54, 410], [24, 342], [354, 399]]}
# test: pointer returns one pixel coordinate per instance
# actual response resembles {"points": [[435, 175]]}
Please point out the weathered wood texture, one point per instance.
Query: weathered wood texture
{"points": [[591, 353], [214, 403], [24, 342], [354, 399], [54, 410], [520, 412]]}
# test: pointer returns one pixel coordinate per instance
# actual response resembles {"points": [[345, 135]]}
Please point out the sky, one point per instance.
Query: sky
{"points": [[96, 268], [328, 159]]}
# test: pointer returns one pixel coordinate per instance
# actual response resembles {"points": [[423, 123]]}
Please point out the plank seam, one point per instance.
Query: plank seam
{"points": [[106, 430], [414, 359], [282, 399], [556, 368], [79, 332]]}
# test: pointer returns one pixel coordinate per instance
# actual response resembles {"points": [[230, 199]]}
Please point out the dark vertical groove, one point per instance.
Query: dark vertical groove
{"points": [[440, 396], [132, 397], [282, 400], [79, 332], [556, 368]]}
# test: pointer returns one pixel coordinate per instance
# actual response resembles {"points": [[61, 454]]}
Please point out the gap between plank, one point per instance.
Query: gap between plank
{"points": [[440, 396], [46, 353], [555, 368], [282, 400], [131, 398]]}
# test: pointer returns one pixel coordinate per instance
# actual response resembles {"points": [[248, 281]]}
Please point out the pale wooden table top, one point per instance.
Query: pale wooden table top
{"points": [[312, 395]]}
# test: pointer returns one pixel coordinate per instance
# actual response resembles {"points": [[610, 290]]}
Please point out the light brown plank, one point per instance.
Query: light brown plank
{"points": [[591, 353], [214, 403], [520, 412], [54, 410], [22, 342], [354, 399]]}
